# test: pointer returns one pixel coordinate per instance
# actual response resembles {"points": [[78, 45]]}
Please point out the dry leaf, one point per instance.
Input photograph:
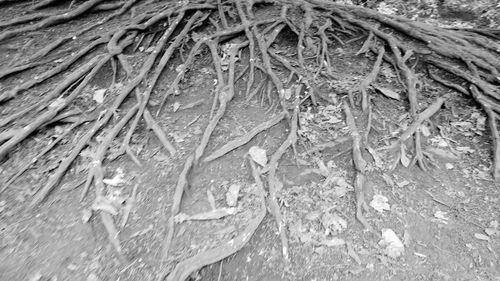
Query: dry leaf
{"points": [[99, 95], [494, 224], [103, 204], [388, 93], [441, 216], [211, 199], [258, 155], [402, 183], [481, 237], [393, 245], [176, 106], [86, 215], [117, 180], [404, 159], [287, 93], [379, 203], [334, 242], [491, 231], [36, 277], [232, 195], [465, 149], [425, 131]]}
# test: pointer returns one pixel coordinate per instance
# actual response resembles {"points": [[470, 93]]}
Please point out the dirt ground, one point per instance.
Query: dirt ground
{"points": [[446, 218]]}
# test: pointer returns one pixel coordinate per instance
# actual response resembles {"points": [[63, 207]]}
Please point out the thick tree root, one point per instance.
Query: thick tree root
{"points": [[232, 145], [183, 269], [52, 20]]}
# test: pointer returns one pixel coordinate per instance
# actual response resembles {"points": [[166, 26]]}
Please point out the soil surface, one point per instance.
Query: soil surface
{"points": [[445, 219]]}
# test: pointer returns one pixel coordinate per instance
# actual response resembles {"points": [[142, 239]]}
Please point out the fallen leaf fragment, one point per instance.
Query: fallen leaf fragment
{"points": [[481, 236], [491, 231], [176, 106], [388, 93], [258, 155], [425, 130], [99, 96], [103, 204], [393, 245], [36, 277], [403, 183], [440, 215], [86, 215], [92, 277], [117, 180], [211, 199], [333, 242], [464, 149], [404, 159], [232, 195], [379, 203]]}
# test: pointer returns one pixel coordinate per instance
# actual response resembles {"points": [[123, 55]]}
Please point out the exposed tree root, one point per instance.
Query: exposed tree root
{"points": [[182, 183], [273, 180], [183, 269], [413, 129], [360, 165], [245, 47], [240, 141], [52, 20], [363, 87]]}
